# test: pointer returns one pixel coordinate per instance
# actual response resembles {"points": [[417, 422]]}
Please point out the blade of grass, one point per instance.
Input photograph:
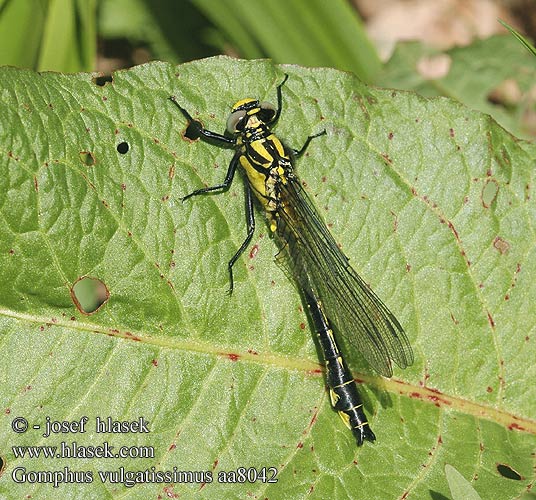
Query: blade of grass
{"points": [[519, 37]]}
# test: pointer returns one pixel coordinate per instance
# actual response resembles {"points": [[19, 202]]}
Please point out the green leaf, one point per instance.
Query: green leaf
{"points": [[460, 488], [495, 76], [432, 202]]}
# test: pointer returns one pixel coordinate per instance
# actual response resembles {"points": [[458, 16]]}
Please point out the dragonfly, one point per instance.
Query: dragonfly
{"points": [[340, 303]]}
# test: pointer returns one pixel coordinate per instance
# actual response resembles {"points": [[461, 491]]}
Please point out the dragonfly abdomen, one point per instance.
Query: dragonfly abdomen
{"points": [[344, 397]]}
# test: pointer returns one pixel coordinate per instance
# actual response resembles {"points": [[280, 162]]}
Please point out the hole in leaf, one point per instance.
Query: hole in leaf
{"points": [[87, 158], [89, 294], [2, 465], [191, 133], [489, 192], [506, 471], [123, 148], [103, 80]]}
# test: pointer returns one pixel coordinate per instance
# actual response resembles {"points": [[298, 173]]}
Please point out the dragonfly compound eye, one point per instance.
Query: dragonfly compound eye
{"points": [[235, 122], [267, 111]]}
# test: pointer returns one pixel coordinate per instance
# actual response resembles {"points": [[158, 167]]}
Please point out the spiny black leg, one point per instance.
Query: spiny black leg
{"points": [[201, 131], [250, 219], [279, 100], [299, 152], [224, 185]]}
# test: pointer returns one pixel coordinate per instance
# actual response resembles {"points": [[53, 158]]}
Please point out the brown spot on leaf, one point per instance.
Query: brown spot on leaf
{"points": [[501, 245]]}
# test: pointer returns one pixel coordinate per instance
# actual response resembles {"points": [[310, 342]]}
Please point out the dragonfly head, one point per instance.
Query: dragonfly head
{"points": [[249, 112]]}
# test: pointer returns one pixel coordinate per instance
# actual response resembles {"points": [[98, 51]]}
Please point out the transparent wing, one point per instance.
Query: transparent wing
{"points": [[313, 258]]}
